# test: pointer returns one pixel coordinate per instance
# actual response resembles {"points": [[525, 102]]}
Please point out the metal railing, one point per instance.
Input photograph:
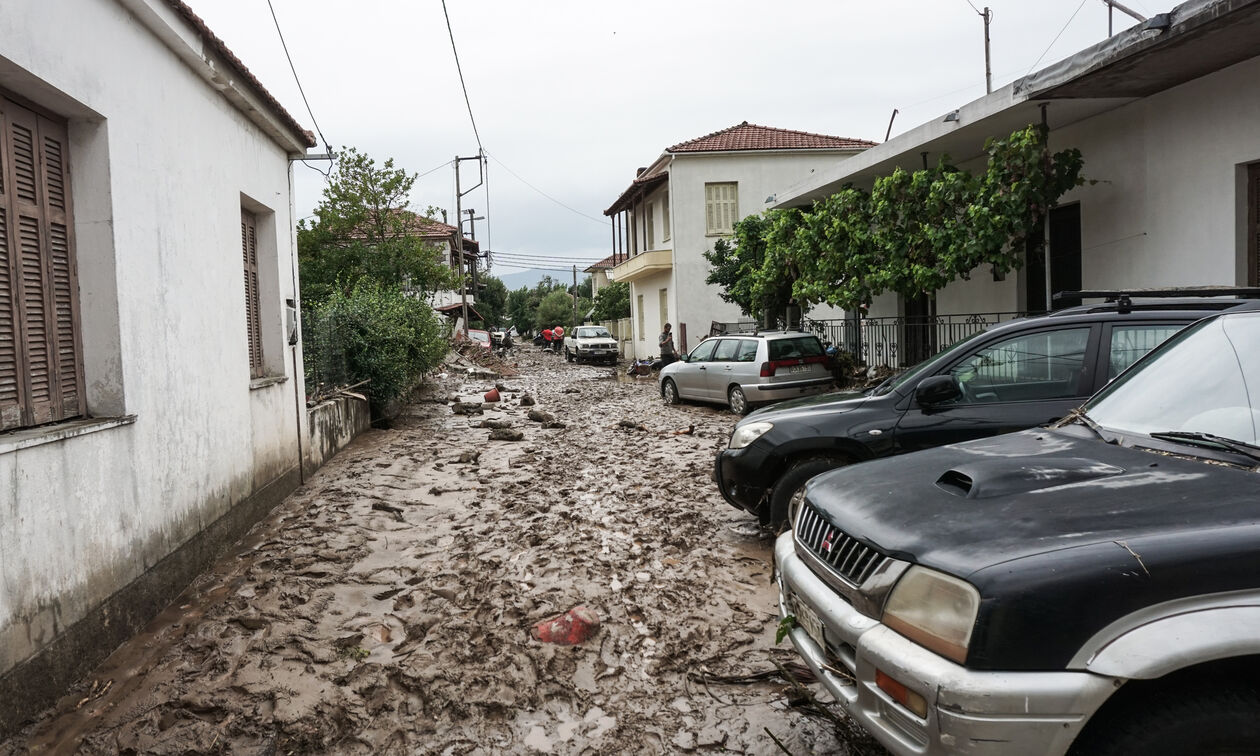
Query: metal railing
{"points": [[901, 342]]}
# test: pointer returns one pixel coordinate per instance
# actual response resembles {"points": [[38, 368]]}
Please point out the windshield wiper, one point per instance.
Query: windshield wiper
{"points": [[1210, 441]]}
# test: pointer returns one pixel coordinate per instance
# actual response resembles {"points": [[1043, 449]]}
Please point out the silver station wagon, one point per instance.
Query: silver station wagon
{"points": [[746, 370]]}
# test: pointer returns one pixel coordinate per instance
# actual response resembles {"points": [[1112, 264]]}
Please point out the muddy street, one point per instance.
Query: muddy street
{"points": [[387, 605]]}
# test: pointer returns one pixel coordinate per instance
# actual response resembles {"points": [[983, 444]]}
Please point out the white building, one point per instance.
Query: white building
{"points": [[442, 236], [151, 401], [691, 196], [1165, 115]]}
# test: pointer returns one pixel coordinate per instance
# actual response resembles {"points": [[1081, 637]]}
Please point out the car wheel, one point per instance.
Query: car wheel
{"points": [[1201, 720], [737, 401], [568, 355], [669, 391], [789, 491]]}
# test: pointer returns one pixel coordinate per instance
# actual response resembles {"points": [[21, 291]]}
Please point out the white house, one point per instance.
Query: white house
{"points": [[599, 274], [151, 397], [442, 236], [1165, 115], [691, 196]]}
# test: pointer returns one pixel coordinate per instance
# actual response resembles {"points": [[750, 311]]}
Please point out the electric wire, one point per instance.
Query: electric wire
{"points": [[460, 70], [548, 196], [292, 68], [1056, 37]]}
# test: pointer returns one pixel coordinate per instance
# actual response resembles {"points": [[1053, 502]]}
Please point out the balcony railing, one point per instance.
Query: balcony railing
{"points": [[902, 342]]}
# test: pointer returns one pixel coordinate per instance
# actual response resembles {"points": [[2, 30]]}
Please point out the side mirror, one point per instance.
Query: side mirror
{"points": [[684, 357], [937, 389]]}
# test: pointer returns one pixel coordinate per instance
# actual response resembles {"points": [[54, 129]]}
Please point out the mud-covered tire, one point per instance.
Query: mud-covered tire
{"points": [[1179, 722], [669, 391], [789, 490], [568, 355], [736, 400]]}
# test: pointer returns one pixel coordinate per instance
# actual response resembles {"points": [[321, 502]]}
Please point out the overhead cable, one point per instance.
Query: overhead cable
{"points": [[600, 221], [301, 91], [461, 75], [1056, 37]]}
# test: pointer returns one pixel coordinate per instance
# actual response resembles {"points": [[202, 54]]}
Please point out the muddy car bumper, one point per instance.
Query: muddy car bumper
{"points": [[738, 474], [967, 711], [759, 393]]}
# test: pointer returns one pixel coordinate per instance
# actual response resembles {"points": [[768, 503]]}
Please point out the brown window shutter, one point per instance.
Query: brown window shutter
{"points": [[64, 278], [253, 319], [11, 388]]}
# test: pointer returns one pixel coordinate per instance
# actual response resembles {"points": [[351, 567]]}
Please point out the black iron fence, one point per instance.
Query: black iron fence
{"points": [[324, 354], [901, 342]]}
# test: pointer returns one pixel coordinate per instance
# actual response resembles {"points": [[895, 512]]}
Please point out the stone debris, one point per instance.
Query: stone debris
{"points": [[495, 424], [539, 416], [507, 434], [526, 400], [467, 408]]}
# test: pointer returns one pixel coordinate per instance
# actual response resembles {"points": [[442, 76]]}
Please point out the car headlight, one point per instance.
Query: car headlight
{"points": [[935, 610], [746, 434]]}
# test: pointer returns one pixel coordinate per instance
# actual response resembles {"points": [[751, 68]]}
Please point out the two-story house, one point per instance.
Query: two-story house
{"points": [[688, 198]]}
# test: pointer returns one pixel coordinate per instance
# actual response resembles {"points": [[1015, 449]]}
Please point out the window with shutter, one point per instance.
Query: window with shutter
{"points": [[651, 226], [253, 319], [665, 232], [41, 365], [721, 208]]}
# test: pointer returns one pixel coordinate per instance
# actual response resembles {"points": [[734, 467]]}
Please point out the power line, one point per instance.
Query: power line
{"points": [[548, 196], [299, 81], [1056, 37], [461, 74]]}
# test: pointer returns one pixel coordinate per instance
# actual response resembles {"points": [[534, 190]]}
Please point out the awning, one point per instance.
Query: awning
{"points": [[457, 310]]}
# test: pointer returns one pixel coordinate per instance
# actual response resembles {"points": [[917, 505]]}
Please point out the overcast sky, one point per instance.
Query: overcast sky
{"points": [[572, 96]]}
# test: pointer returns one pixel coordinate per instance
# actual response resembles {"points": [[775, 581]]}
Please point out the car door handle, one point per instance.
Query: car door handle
{"points": [[702, 367]]}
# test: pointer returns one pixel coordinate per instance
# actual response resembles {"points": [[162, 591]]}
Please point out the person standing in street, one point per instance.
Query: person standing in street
{"points": [[666, 343]]}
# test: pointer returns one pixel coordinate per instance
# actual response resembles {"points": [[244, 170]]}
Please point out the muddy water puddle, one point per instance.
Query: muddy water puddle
{"points": [[386, 606]]}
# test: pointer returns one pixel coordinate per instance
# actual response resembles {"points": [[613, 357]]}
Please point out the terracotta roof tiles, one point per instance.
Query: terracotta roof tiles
{"points": [[750, 136]]}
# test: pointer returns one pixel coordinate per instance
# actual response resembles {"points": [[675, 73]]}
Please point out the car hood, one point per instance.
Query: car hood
{"points": [[965, 507], [807, 407]]}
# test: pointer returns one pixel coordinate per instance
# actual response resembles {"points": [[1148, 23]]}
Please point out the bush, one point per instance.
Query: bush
{"points": [[380, 335]]}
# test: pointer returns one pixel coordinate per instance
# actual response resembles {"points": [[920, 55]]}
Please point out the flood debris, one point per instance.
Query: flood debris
{"points": [[467, 408], [495, 424], [568, 629], [526, 400], [507, 434], [491, 396], [539, 416]]}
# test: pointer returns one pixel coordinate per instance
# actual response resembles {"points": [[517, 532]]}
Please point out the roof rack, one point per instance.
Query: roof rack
{"points": [[1123, 298]]}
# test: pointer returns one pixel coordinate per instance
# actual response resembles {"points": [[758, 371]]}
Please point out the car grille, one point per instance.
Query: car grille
{"points": [[847, 556]]}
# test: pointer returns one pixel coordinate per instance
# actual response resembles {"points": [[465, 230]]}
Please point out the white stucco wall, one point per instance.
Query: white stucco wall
{"points": [[161, 166]]}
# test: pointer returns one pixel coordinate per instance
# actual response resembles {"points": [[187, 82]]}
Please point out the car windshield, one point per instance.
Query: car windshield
{"points": [[1203, 384], [914, 373], [481, 336], [593, 333]]}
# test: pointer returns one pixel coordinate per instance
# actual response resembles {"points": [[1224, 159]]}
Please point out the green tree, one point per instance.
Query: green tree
{"points": [[612, 302], [492, 300], [555, 309], [519, 313], [584, 288], [362, 230], [380, 335], [753, 273]]}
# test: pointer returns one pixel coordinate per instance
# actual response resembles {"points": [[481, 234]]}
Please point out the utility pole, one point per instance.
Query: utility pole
{"points": [[988, 63], [574, 324], [1113, 6], [459, 232]]}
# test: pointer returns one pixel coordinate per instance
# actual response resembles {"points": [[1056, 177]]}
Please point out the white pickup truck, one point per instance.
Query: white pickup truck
{"points": [[590, 344]]}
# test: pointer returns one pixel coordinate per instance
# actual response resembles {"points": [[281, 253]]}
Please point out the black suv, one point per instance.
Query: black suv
{"points": [[1016, 375], [1088, 588]]}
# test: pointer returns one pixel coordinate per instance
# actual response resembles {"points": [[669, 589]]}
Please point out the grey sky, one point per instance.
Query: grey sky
{"points": [[575, 95]]}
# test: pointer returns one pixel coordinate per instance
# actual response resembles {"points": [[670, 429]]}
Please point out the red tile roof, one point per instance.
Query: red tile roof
{"points": [[750, 136], [637, 189], [304, 136], [604, 264]]}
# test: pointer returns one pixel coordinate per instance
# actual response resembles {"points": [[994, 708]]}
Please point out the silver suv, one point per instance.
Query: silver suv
{"points": [[745, 370]]}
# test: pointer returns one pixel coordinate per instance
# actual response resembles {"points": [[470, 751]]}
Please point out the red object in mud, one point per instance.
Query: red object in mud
{"points": [[570, 628], [492, 395]]}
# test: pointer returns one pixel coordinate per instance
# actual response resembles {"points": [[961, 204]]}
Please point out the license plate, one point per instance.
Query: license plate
{"points": [[807, 619], [798, 369], [597, 351]]}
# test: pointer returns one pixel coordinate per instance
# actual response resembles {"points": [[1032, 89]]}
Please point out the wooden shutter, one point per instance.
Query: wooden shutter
{"points": [[651, 227], [41, 366], [721, 208], [253, 320]]}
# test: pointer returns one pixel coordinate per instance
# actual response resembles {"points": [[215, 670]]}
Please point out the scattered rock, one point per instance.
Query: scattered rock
{"points": [[526, 400], [552, 424], [570, 390], [631, 425], [469, 456], [495, 424], [500, 387], [507, 434], [466, 408], [539, 416]]}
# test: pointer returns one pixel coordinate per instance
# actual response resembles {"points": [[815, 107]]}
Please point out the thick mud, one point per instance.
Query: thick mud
{"points": [[386, 606]]}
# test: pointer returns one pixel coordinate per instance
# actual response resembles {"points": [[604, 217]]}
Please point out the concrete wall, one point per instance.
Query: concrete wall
{"points": [[333, 425], [102, 528]]}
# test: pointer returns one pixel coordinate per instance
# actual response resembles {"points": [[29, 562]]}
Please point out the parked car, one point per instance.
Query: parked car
{"points": [[1015, 375], [590, 343], [749, 369], [482, 338], [1092, 587]]}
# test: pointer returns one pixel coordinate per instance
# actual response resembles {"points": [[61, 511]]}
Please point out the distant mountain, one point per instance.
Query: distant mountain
{"points": [[530, 278]]}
